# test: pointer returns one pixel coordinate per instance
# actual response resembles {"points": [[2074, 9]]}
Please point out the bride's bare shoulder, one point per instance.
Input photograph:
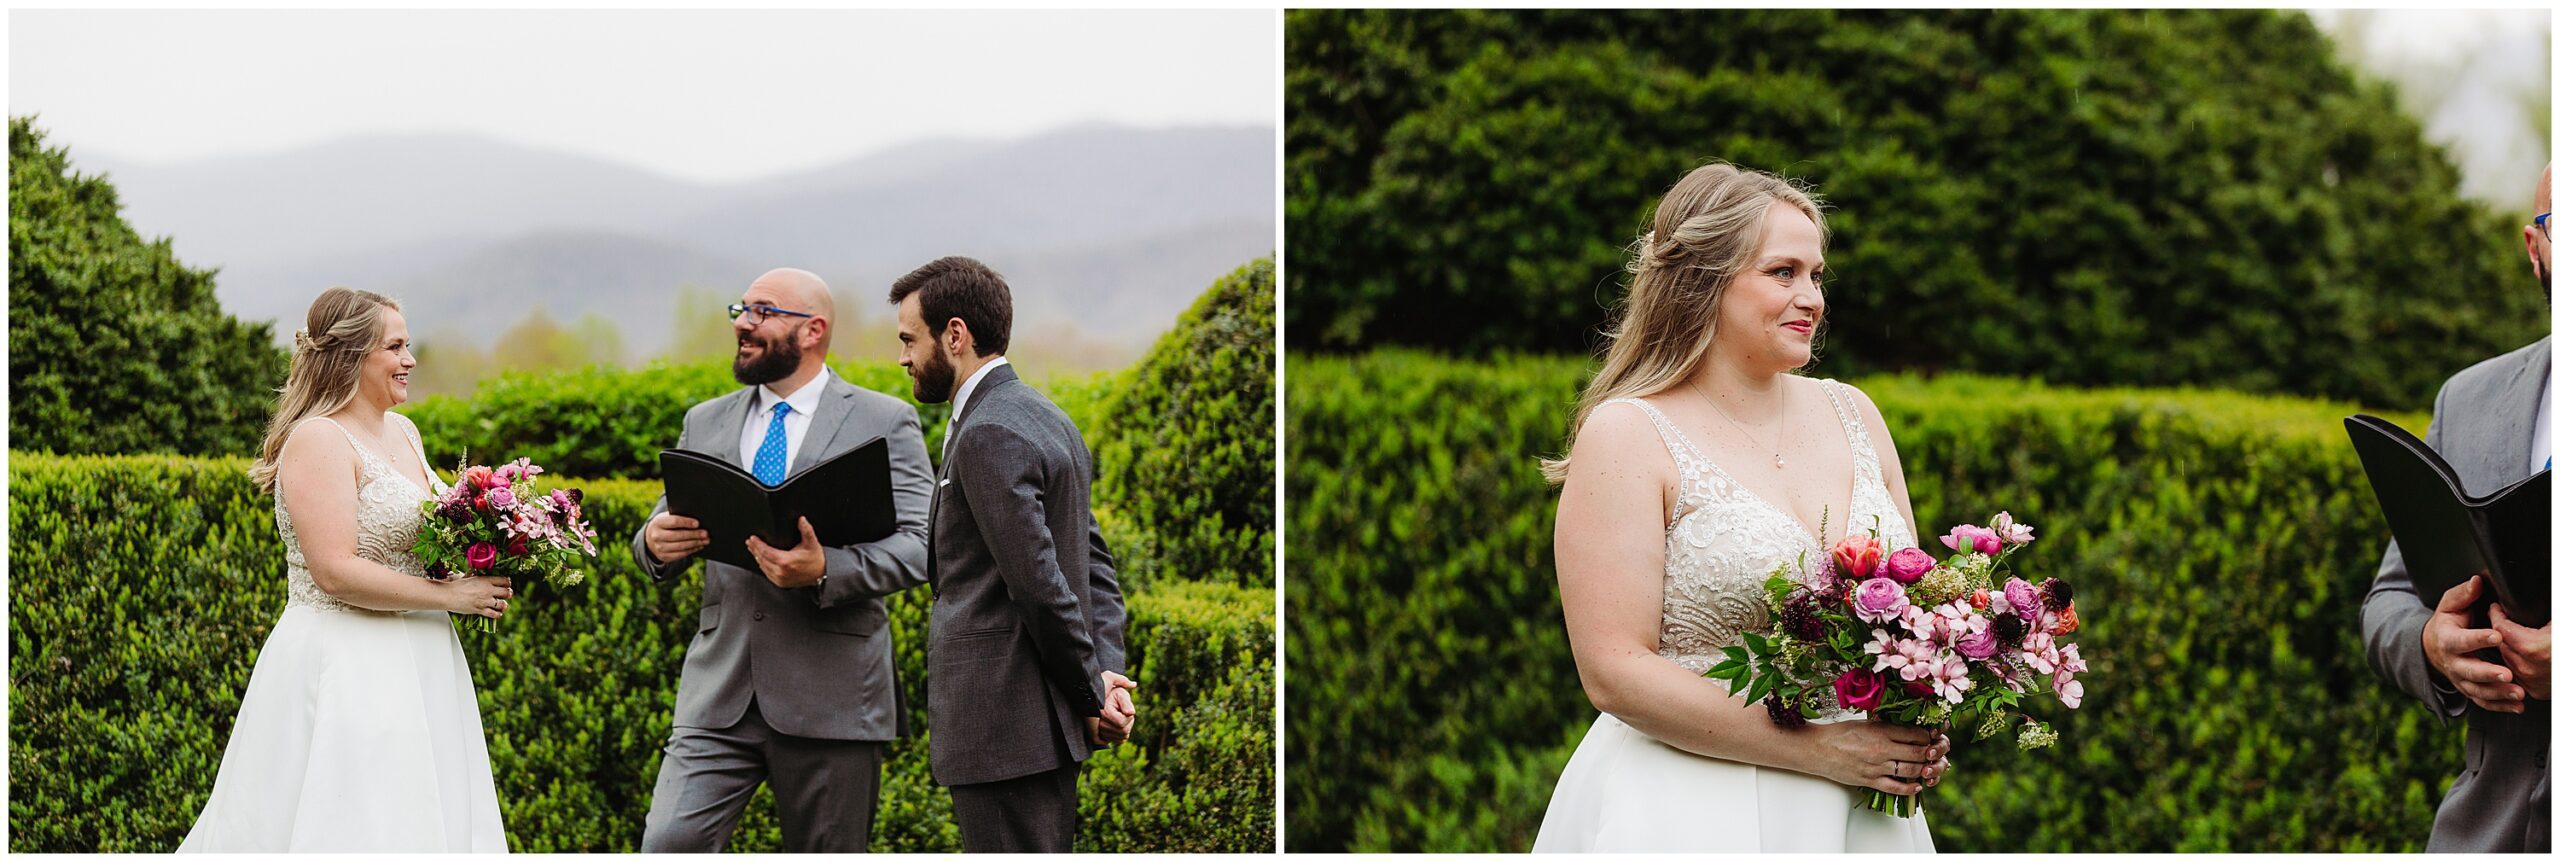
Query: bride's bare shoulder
{"points": [[1619, 438]]}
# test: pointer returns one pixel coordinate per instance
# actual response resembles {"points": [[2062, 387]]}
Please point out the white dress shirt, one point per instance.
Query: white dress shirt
{"points": [[2541, 451], [795, 427]]}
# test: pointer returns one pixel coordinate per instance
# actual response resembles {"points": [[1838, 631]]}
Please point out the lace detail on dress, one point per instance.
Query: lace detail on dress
{"points": [[1725, 540], [387, 520]]}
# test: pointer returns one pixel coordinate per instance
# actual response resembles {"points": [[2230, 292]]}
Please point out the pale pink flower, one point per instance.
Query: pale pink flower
{"points": [[2067, 688], [2010, 532], [2036, 649], [1878, 599], [1984, 541]]}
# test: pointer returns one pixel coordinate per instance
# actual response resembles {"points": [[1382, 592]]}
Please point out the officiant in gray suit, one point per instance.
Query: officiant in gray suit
{"points": [[789, 677], [2492, 424], [1024, 665]]}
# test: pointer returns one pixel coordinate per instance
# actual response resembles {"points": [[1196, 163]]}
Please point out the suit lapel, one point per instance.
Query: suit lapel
{"points": [[732, 422], [2505, 429], [826, 422], [987, 386]]}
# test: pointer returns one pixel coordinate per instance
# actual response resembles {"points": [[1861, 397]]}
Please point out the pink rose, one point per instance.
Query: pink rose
{"points": [[481, 556], [1878, 599], [1979, 645], [1908, 565], [1856, 556], [1984, 541], [2023, 599], [502, 497], [479, 477], [2010, 532], [1859, 689]]}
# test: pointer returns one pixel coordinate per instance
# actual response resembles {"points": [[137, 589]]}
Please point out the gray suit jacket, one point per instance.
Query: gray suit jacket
{"points": [[2483, 426], [816, 664], [1026, 606]]}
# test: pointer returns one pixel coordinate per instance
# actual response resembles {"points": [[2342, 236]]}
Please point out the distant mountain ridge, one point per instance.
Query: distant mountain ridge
{"points": [[1110, 230]]}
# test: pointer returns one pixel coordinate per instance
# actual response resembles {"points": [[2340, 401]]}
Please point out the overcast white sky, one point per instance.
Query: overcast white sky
{"points": [[706, 96]]}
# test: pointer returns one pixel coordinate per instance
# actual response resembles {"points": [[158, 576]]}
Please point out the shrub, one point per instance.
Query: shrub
{"points": [[1185, 451], [611, 422], [115, 346], [2220, 544], [141, 588], [1467, 181]]}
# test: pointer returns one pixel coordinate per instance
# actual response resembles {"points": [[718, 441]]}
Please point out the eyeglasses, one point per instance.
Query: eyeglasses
{"points": [[2543, 222], [756, 314]]}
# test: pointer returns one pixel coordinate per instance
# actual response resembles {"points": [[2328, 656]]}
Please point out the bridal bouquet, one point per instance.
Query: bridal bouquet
{"points": [[1915, 640], [493, 522]]}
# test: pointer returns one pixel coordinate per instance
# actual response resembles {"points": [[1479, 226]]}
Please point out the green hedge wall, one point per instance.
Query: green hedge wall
{"points": [[611, 422], [1186, 448], [2221, 544], [141, 588]]}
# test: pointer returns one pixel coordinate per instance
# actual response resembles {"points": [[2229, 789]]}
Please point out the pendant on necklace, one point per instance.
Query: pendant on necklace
{"points": [[1782, 460]]}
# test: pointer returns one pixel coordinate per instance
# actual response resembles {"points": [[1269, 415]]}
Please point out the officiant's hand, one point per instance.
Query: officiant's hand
{"points": [[798, 567], [2449, 640], [674, 537], [2527, 652]]}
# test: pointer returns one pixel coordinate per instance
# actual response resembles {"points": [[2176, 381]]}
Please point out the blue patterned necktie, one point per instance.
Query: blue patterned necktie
{"points": [[771, 457]]}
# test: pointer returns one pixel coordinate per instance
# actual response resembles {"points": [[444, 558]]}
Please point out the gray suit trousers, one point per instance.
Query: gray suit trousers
{"points": [[825, 790], [1032, 814]]}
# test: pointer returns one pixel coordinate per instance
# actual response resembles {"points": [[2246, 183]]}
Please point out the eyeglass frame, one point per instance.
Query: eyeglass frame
{"points": [[2543, 222], [762, 312]]}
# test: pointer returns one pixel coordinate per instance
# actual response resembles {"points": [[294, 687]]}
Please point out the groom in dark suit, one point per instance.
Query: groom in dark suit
{"points": [[789, 677], [1024, 666], [2492, 424]]}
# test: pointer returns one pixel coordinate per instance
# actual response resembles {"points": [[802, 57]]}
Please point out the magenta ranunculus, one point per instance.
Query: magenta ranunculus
{"points": [[1984, 541], [481, 555], [1860, 688], [2023, 599], [1878, 599], [1908, 564], [1979, 645]]}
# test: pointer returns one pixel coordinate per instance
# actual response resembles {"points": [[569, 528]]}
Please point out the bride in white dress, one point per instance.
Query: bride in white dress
{"points": [[1699, 466], [358, 730]]}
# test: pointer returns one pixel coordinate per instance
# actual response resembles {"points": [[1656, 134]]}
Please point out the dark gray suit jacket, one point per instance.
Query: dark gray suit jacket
{"points": [[1026, 607], [2483, 426], [816, 664]]}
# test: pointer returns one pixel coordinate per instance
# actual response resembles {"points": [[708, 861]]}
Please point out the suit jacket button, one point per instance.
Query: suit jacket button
{"points": [[759, 615]]}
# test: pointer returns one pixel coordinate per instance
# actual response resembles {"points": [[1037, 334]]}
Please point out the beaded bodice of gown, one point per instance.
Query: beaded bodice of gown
{"points": [[1724, 540], [387, 519]]}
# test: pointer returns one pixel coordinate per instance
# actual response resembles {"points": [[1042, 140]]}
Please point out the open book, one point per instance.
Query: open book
{"points": [[846, 499], [2446, 535]]}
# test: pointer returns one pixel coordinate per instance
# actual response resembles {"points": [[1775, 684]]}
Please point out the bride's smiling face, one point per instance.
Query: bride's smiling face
{"points": [[1774, 306], [383, 378]]}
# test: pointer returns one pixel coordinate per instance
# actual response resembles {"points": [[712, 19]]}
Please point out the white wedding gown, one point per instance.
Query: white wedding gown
{"points": [[359, 730], [1625, 791]]}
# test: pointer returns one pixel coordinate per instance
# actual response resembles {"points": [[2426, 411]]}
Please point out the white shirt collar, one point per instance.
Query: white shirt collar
{"points": [[802, 401], [960, 400]]}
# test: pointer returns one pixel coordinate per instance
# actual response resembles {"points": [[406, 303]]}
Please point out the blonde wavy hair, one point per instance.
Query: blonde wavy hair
{"points": [[1705, 231], [343, 327]]}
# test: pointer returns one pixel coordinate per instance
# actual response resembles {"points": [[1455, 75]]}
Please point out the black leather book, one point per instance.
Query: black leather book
{"points": [[2446, 535], [846, 499]]}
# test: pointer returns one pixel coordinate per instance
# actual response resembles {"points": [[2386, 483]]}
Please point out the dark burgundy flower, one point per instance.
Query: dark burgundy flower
{"points": [[2010, 628], [2057, 594], [1801, 620], [1784, 713]]}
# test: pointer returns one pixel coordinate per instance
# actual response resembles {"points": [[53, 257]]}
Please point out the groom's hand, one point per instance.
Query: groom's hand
{"points": [[1119, 711], [798, 567], [674, 537], [2449, 640], [2527, 652]]}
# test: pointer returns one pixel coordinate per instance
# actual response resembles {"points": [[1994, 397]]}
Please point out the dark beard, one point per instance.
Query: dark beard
{"points": [[934, 379], [780, 358]]}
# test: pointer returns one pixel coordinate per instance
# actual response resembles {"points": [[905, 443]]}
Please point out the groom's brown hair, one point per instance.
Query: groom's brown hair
{"points": [[961, 287]]}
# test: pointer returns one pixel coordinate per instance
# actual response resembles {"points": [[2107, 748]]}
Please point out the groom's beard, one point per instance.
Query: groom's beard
{"points": [[780, 357], [933, 378]]}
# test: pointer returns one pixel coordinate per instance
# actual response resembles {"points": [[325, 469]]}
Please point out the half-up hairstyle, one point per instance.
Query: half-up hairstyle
{"points": [[1704, 233], [328, 353]]}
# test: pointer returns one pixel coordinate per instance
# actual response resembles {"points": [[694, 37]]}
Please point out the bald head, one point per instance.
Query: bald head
{"points": [[800, 290]]}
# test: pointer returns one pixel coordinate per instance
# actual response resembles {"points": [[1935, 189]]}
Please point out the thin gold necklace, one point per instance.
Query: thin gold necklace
{"points": [[1780, 460]]}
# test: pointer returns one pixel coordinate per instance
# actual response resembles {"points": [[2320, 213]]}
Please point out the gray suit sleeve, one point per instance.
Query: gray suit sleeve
{"points": [[872, 570], [1003, 481], [1108, 614], [2393, 619], [660, 570]]}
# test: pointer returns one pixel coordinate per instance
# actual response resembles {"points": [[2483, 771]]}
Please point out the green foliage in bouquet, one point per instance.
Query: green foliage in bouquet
{"points": [[2062, 190], [2220, 542], [114, 345], [1185, 450], [142, 587]]}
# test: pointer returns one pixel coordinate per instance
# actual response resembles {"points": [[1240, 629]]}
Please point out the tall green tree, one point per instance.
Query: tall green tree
{"points": [[115, 346], [2197, 197]]}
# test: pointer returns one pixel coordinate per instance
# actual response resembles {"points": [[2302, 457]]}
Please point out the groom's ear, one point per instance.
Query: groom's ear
{"points": [[956, 337]]}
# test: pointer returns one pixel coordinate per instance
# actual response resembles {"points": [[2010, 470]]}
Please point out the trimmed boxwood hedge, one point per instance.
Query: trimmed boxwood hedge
{"points": [[2220, 544], [141, 588], [1186, 446]]}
